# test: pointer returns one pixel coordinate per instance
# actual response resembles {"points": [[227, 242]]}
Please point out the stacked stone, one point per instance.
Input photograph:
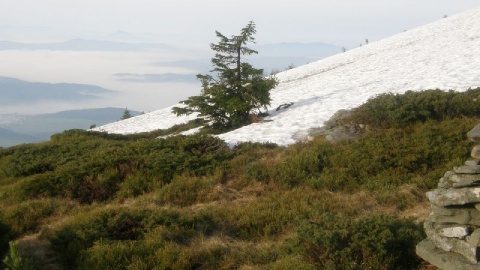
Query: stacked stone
{"points": [[453, 227]]}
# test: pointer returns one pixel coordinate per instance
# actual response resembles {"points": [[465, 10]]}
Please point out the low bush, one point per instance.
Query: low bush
{"points": [[376, 242], [399, 110], [26, 217], [78, 236], [184, 191], [191, 202], [119, 255], [5, 236], [90, 168]]}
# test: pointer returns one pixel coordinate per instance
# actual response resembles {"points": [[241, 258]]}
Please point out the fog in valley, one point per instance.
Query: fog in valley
{"points": [[100, 69]]}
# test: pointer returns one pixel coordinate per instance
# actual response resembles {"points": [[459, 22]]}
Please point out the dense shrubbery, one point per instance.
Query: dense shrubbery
{"points": [[376, 242], [400, 110], [376, 160], [88, 168], [73, 239], [189, 202], [5, 237]]}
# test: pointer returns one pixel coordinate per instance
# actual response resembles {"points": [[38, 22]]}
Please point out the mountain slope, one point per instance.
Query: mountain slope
{"points": [[444, 54]]}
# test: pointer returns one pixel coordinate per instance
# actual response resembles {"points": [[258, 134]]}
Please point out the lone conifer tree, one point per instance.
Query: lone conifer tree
{"points": [[126, 114], [238, 88]]}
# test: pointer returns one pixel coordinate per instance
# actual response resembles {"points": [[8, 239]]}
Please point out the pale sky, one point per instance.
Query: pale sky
{"points": [[340, 22]]}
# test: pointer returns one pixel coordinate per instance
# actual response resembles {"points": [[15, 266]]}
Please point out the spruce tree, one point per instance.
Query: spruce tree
{"points": [[126, 114], [228, 99]]}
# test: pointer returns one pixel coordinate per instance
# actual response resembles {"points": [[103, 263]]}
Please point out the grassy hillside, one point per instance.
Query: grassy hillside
{"points": [[87, 200]]}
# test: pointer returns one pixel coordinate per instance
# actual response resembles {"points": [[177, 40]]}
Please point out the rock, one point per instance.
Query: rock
{"points": [[467, 169], [452, 244], [476, 152], [474, 134], [441, 259], [474, 238], [337, 127], [440, 242], [454, 231], [443, 211], [452, 179], [464, 180], [460, 216], [337, 119], [445, 180], [472, 162], [453, 227], [284, 106], [458, 196]]}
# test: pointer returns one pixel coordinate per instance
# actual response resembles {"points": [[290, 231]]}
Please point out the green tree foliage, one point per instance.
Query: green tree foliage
{"points": [[238, 88], [126, 114], [14, 260]]}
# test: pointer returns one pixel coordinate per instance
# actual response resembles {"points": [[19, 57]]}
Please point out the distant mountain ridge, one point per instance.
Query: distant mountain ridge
{"points": [[15, 91], [10, 138], [36, 128]]}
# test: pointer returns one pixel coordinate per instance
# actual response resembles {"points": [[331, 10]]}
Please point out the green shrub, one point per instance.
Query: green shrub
{"points": [[134, 255], [252, 161], [118, 255], [375, 242], [203, 205], [302, 162], [137, 184], [27, 216], [5, 236], [93, 168], [70, 240], [14, 260], [78, 236], [291, 262], [183, 191], [399, 110], [392, 157]]}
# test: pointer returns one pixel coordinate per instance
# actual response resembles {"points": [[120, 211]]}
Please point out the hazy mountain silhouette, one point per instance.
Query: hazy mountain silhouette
{"points": [[10, 138], [36, 128], [15, 91]]}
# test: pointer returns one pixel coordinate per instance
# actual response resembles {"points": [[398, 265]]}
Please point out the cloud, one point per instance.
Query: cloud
{"points": [[85, 45], [157, 78], [202, 65]]}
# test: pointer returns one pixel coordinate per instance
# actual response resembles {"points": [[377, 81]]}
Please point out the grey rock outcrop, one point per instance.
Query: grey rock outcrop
{"points": [[453, 226], [337, 128]]}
